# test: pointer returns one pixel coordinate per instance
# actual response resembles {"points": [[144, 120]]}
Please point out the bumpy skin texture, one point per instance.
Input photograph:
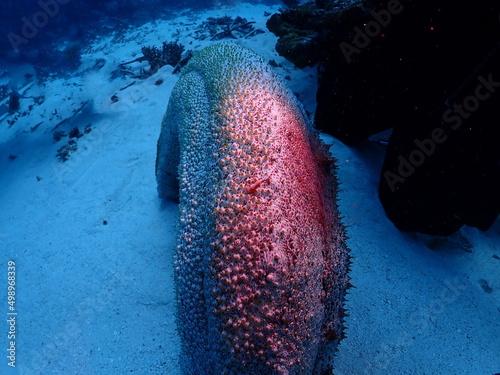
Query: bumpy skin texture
{"points": [[261, 262]]}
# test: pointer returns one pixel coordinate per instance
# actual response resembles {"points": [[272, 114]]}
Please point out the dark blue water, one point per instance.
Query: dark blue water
{"points": [[31, 30]]}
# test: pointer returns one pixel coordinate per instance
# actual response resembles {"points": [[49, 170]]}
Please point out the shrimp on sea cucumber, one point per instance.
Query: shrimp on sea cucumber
{"points": [[251, 188]]}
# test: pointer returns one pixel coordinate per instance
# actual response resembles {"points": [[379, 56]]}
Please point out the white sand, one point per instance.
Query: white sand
{"points": [[99, 299]]}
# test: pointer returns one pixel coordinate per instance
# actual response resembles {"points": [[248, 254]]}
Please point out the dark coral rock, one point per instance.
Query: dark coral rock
{"points": [[402, 65], [75, 133], [57, 135], [273, 63], [361, 93], [301, 50], [14, 102], [307, 33], [441, 174], [65, 151], [170, 54], [153, 57], [377, 86], [291, 3], [442, 167]]}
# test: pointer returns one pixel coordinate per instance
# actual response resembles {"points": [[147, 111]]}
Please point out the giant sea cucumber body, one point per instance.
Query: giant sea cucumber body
{"points": [[261, 261]]}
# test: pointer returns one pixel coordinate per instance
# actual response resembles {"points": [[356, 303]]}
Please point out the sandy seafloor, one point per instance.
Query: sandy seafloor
{"points": [[93, 244]]}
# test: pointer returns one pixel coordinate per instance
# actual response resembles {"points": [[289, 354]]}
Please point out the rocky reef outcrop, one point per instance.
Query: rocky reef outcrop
{"points": [[419, 68]]}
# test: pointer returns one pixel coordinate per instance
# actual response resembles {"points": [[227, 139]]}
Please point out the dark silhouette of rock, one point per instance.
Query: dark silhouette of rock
{"points": [[14, 102], [442, 167], [388, 65], [403, 65], [307, 32]]}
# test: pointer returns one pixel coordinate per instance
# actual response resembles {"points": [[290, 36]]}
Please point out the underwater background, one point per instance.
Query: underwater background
{"points": [[87, 247]]}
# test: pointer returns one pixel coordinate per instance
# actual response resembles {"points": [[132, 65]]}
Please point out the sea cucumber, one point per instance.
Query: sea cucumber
{"points": [[261, 265]]}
